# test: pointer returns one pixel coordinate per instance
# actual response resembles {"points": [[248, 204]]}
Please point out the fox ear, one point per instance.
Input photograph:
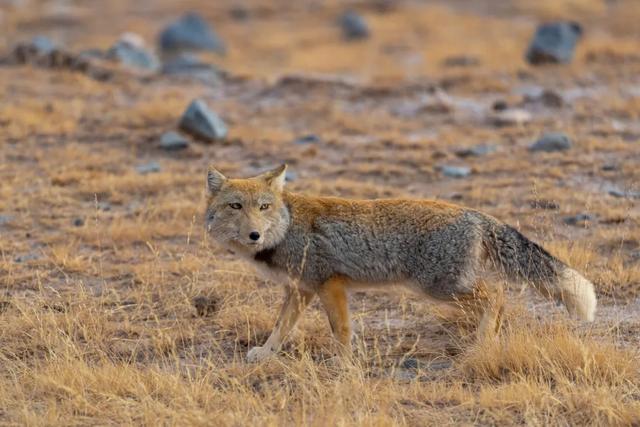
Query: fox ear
{"points": [[276, 177], [214, 180]]}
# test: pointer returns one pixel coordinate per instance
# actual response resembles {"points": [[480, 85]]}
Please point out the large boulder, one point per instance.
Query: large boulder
{"points": [[554, 42]]}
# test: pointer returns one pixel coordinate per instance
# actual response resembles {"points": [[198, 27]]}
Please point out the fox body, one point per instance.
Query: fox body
{"points": [[326, 246]]}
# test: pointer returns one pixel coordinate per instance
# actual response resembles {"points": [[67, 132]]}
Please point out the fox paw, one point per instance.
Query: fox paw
{"points": [[258, 354]]}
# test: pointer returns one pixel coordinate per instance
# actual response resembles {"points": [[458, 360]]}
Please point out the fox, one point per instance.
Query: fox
{"points": [[329, 246]]}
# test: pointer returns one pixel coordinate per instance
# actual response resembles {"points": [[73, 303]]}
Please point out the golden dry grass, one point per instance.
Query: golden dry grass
{"points": [[100, 265]]}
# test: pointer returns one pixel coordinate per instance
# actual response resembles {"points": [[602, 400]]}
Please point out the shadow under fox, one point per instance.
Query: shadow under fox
{"points": [[325, 246]]}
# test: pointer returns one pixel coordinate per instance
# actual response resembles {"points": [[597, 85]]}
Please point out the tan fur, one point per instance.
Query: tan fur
{"points": [[325, 246]]}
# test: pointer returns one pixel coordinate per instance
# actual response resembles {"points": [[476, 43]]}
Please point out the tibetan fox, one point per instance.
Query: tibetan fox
{"points": [[326, 246]]}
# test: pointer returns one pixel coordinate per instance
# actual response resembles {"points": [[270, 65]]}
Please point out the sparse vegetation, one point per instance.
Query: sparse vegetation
{"points": [[100, 265]]}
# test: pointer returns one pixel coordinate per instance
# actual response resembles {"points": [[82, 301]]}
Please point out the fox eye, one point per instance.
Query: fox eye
{"points": [[235, 205], [265, 206]]}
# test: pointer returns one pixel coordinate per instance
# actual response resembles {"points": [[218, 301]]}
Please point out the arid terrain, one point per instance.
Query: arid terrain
{"points": [[115, 308]]}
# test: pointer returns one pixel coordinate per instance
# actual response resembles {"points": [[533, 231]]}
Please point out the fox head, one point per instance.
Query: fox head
{"points": [[247, 213]]}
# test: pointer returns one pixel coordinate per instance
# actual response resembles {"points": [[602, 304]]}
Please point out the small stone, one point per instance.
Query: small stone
{"points": [[78, 222], [190, 32], [202, 123], [147, 168], [551, 141], [43, 45], [580, 219], [544, 204], [554, 42], [455, 171], [130, 51], [609, 167], [173, 141], [308, 139], [461, 61], [26, 257], [104, 206], [548, 98], [410, 363], [187, 63], [205, 306], [510, 117], [239, 13], [500, 105], [354, 26], [476, 151]]}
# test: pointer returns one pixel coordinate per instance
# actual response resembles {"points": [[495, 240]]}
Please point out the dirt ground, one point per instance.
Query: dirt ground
{"points": [[100, 264]]}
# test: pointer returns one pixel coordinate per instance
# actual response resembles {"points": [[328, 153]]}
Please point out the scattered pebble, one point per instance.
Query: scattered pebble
{"points": [[455, 171], [308, 139], [510, 117], [104, 206], [500, 105], [410, 363], [461, 61], [476, 151], [147, 168], [202, 123], [205, 306], [544, 204], [554, 42], [354, 26], [173, 141], [130, 51], [551, 141], [609, 167], [546, 97], [26, 257], [580, 219], [190, 32], [78, 222]]}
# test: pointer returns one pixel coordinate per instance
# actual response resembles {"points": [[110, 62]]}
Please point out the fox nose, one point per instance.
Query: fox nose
{"points": [[254, 235]]}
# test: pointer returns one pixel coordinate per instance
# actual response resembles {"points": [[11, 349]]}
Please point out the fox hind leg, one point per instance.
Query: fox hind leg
{"points": [[333, 296]]}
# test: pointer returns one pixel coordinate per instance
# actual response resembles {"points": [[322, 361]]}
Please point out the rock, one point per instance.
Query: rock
{"points": [[5, 219], [624, 194], [554, 42], [239, 13], [476, 151], [104, 206], [205, 306], [580, 219], [544, 204], [202, 123], [147, 168], [190, 32], [410, 363], [551, 141], [353, 26], [43, 45], [78, 222], [609, 167], [308, 139], [500, 105], [130, 51], [173, 141], [461, 61], [455, 171]]}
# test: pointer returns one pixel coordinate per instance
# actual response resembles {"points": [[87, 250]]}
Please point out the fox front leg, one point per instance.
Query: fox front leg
{"points": [[295, 303]]}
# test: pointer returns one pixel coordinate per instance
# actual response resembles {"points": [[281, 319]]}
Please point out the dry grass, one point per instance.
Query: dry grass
{"points": [[100, 265]]}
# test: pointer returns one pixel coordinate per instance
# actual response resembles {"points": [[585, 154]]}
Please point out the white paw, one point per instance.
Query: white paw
{"points": [[258, 354]]}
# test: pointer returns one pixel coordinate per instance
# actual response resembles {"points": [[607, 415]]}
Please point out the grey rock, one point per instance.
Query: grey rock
{"points": [[43, 45], [202, 123], [132, 55], [554, 42], [410, 363], [546, 97], [104, 206], [308, 139], [147, 168], [291, 176], [578, 219], [455, 171], [476, 151], [609, 167], [189, 65], [544, 204], [190, 32], [624, 194], [353, 26], [78, 222], [173, 141], [551, 141]]}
